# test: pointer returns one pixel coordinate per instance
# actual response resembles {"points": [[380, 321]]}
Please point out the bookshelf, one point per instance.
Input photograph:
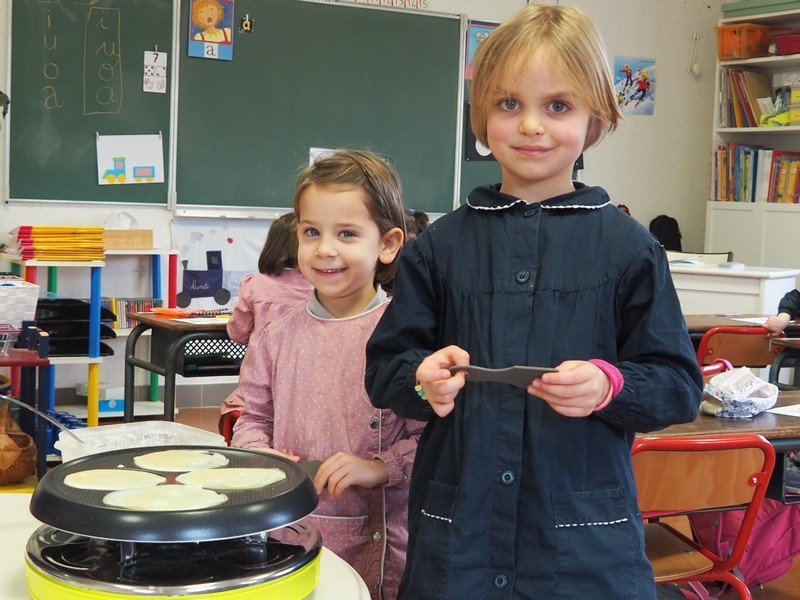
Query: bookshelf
{"points": [[759, 233]]}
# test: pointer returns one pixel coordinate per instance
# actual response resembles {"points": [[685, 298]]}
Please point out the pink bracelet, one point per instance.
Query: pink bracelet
{"points": [[615, 379]]}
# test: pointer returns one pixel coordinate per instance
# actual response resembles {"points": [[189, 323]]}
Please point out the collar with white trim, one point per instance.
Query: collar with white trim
{"points": [[584, 197]]}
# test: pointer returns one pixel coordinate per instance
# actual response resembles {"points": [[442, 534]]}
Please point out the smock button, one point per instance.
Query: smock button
{"points": [[530, 212], [500, 581], [377, 536], [507, 477], [523, 276], [373, 423]]}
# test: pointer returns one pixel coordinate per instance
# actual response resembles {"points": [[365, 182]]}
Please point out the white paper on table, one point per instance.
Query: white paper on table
{"points": [[789, 411], [755, 320], [205, 320]]}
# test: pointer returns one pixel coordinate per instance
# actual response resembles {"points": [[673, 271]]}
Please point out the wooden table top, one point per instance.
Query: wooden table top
{"points": [[176, 324], [793, 343], [702, 323], [770, 425]]}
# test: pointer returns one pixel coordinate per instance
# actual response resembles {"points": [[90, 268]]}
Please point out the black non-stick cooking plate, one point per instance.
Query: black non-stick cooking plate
{"points": [[244, 513]]}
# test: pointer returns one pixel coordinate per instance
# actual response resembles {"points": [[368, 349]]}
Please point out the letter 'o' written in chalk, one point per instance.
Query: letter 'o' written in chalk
{"points": [[102, 62]]}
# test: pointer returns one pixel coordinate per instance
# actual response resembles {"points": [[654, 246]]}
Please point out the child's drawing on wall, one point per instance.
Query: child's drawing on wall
{"points": [[635, 84]]}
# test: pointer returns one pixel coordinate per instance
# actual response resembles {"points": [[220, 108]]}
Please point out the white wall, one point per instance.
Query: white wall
{"points": [[655, 165]]}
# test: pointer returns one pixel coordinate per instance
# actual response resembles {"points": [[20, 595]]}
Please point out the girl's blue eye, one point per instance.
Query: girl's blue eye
{"points": [[347, 234], [509, 104], [558, 106], [310, 231]]}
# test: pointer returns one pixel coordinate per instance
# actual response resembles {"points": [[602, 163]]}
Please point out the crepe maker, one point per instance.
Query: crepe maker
{"points": [[257, 544]]}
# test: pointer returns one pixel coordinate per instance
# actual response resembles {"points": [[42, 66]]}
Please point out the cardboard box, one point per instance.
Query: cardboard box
{"points": [[128, 239]]}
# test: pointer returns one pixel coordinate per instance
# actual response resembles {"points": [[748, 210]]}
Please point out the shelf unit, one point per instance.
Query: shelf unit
{"points": [[759, 234], [93, 360], [156, 256]]}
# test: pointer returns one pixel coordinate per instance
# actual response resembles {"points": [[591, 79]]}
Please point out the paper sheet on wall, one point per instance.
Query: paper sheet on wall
{"points": [[126, 159]]}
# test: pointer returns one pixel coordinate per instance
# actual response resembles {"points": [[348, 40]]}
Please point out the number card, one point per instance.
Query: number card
{"points": [[154, 79]]}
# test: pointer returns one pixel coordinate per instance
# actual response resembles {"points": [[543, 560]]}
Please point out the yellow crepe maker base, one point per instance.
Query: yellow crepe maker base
{"points": [[296, 585]]}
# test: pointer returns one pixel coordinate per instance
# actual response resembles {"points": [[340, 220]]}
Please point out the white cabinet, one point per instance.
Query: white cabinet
{"points": [[759, 234]]}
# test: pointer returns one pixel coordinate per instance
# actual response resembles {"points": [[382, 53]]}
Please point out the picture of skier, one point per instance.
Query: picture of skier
{"points": [[642, 87], [635, 84], [626, 69]]}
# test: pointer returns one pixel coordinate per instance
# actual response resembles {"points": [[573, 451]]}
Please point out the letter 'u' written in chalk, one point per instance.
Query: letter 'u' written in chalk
{"points": [[51, 70], [102, 62]]}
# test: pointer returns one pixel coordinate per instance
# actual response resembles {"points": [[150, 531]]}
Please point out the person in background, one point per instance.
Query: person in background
{"points": [[527, 492], [303, 375], [277, 287], [416, 222], [624, 208], [788, 309]]}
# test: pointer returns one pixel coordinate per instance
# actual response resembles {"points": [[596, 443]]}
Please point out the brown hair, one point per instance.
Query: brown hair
{"points": [[280, 249], [357, 169], [416, 223], [568, 38]]}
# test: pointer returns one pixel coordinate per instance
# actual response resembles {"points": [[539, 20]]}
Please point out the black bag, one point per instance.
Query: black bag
{"points": [[666, 230]]}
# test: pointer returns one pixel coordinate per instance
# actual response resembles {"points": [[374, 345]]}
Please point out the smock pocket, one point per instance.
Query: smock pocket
{"points": [[599, 547], [345, 536], [427, 560]]}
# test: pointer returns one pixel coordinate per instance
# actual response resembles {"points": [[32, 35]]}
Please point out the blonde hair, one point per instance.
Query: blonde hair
{"points": [[356, 169], [566, 37]]}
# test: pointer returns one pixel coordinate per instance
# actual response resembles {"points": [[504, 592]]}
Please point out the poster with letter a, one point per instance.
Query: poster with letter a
{"points": [[210, 29]]}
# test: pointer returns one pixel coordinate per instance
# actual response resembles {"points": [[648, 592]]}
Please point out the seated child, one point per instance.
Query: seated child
{"points": [[788, 309]]}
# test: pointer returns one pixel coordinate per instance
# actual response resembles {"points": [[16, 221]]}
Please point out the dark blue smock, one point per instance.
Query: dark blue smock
{"points": [[508, 498]]}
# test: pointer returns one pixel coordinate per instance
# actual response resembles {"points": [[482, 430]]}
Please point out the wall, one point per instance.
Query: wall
{"points": [[655, 165]]}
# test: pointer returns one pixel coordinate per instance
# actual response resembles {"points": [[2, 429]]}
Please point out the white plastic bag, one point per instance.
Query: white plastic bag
{"points": [[738, 394]]}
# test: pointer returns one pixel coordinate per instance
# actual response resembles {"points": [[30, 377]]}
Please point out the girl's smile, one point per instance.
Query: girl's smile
{"points": [[536, 128], [339, 247]]}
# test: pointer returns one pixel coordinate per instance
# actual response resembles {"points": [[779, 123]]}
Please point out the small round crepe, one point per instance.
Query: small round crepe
{"points": [[112, 479], [231, 478], [164, 497], [180, 461]]}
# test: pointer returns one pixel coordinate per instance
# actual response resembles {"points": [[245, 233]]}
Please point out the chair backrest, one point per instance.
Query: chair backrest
{"points": [[744, 346], [709, 258], [679, 475]]}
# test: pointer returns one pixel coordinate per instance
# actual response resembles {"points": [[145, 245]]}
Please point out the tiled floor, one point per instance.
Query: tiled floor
{"points": [[785, 588]]}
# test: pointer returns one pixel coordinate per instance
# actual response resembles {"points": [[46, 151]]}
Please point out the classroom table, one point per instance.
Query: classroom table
{"points": [[782, 431], [337, 580], [700, 323], [191, 348]]}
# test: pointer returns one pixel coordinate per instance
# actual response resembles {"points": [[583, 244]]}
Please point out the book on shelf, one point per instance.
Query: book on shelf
{"points": [[740, 92], [122, 307]]}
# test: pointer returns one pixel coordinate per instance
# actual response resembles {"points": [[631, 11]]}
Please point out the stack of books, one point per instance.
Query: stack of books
{"points": [[55, 242], [743, 173], [740, 92]]}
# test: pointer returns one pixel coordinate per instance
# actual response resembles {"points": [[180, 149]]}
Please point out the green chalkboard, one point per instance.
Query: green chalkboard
{"points": [[76, 71], [319, 75]]}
